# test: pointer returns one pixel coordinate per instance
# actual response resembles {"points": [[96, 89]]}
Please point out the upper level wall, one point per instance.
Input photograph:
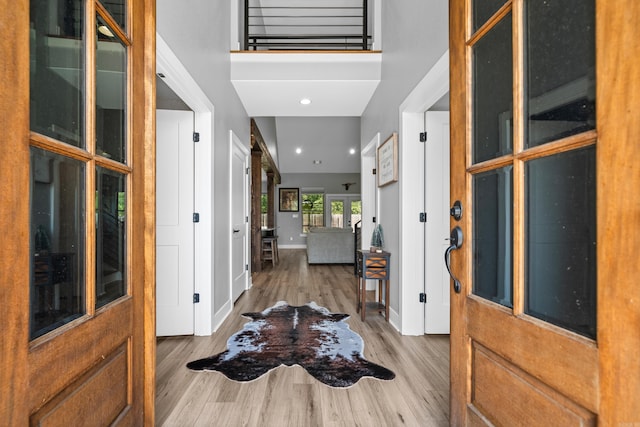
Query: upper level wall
{"points": [[198, 34], [416, 36]]}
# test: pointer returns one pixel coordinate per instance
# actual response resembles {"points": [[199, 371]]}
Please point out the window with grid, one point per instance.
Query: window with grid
{"points": [[79, 159]]}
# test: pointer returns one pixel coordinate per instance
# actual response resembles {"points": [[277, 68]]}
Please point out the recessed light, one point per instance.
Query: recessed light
{"points": [[352, 151], [298, 150], [305, 101]]}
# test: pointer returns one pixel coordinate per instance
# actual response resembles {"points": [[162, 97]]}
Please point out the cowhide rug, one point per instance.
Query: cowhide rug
{"points": [[309, 335]]}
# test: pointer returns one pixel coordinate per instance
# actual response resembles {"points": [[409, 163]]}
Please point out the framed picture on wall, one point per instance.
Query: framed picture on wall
{"points": [[289, 198], [387, 158]]}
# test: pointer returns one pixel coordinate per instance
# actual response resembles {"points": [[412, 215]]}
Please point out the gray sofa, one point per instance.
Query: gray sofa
{"points": [[330, 245]]}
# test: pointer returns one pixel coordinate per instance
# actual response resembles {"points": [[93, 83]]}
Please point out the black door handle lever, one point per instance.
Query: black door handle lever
{"points": [[456, 241]]}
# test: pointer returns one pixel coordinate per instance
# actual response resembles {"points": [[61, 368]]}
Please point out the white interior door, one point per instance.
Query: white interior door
{"points": [[239, 218], [437, 226], [174, 223]]}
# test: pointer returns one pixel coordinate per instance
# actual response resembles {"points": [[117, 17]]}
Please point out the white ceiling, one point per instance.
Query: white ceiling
{"points": [[339, 86], [324, 139]]}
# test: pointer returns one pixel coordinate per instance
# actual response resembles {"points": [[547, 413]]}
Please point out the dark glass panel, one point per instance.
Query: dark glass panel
{"points": [[111, 207], [492, 235], [118, 11], [561, 240], [560, 64], [493, 93], [483, 10], [57, 241], [111, 94], [57, 70]]}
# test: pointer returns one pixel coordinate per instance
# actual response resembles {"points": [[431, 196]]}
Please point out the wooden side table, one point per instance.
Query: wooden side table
{"points": [[372, 265]]}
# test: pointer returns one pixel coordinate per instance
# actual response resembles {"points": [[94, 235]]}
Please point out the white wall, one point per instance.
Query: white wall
{"points": [[199, 33], [415, 35]]}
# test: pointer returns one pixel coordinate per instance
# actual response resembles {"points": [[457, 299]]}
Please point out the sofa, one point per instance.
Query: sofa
{"points": [[330, 245]]}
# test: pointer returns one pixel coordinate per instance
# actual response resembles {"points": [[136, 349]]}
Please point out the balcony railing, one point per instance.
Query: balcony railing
{"points": [[306, 25]]}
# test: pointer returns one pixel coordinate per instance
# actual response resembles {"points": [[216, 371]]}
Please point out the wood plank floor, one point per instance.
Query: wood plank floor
{"points": [[288, 396]]}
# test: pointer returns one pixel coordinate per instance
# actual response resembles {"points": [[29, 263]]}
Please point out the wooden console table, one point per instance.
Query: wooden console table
{"points": [[372, 266]]}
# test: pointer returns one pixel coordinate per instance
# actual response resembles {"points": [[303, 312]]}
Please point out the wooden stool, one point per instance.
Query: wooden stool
{"points": [[270, 249]]}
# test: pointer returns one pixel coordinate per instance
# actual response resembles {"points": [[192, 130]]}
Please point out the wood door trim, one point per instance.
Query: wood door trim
{"points": [[618, 215], [460, 345], [145, 315], [14, 212]]}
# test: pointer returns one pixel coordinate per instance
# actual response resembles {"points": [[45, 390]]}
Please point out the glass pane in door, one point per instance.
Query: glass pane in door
{"points": [[492, 93], [111, 204], [337, 213], [57, 70], [118, 11], [57, 241], [560, 77], [561, 240], [356, 213], [492, 235], [111, 94], [483, 10]]}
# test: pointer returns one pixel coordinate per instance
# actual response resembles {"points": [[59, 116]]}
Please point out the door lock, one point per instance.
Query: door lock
{"points": [[456, 210]]}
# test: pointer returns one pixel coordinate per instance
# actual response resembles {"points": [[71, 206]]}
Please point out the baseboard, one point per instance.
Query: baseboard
{"points": [[394, 319], [292, 246], [222, 314]]}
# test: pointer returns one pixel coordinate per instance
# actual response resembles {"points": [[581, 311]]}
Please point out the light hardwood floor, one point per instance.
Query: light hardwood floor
{"points": [[288, 396]]}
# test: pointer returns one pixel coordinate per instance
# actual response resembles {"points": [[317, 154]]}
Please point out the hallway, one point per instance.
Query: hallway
{"points": [[288, 396]]}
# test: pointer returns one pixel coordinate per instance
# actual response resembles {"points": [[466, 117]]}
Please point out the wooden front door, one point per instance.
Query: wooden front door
{"points": [[77, 213], [545, 102]]}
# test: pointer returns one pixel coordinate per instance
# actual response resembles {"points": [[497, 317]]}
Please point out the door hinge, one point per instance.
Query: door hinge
{"points": [[196, 217], [423, 297], [196, 298], [423, 217], [246, 219], [423, 137], [246, 171], [373, 219], [196, 137], [246, 267], [373, 171]]}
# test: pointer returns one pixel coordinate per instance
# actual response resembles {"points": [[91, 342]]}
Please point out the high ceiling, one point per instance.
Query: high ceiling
{"points": [[338, 86]]}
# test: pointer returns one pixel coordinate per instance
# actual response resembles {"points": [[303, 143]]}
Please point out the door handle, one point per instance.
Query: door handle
{"points": [[456, 241], [236, 231]]}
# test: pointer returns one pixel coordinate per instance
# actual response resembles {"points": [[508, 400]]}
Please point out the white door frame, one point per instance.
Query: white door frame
{"points": [[180, 81], [429, 90], [235, 142], [369, 192]]}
